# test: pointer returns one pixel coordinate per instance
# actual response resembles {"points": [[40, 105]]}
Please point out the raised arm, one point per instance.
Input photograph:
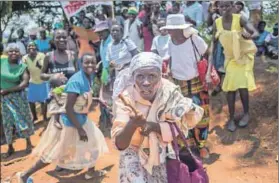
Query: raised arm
{"points": [[44, 74]]}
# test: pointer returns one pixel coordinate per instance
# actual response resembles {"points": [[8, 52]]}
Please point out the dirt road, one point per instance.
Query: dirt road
{"points": [[245, 156]]}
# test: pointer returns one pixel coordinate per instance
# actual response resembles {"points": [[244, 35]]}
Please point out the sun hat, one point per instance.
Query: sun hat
{"points": [[132, 11], [102, 25], [176, 21]]}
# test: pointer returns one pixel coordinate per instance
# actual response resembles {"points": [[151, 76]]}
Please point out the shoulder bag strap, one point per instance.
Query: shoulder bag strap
{"points": [[174, 143], [183, 138], [195, 49]]}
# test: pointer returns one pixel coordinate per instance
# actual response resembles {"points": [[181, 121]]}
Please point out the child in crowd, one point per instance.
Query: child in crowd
{"points": [[260, 41], [57, 98], [160, 44], [272, 43]]}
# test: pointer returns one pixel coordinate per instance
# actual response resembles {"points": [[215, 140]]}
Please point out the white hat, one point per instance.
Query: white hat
{"points": [[176, 21]]}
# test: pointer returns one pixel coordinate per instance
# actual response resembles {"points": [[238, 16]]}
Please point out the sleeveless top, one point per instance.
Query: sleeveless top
{"points": [[68, 69]]}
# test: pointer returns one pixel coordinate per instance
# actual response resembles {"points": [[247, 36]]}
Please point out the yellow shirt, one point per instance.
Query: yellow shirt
{"points": [[33, 67]]}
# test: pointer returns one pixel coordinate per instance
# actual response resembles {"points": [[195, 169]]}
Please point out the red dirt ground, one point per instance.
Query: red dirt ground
{"points": [[245, 156]]}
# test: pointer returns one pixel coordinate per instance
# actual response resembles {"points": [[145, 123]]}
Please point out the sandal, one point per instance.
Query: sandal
{"points": [[99, 173], [244, 121], [231, 125], [8, 154]]}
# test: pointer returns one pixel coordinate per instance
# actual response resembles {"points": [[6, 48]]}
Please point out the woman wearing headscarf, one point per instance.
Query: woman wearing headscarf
{"points": [[37, 89], [235, 33], [80, 143], [143, 152], [14, 104], [133, 28]]}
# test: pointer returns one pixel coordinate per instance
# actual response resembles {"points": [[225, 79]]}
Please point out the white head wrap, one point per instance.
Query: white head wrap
{"points": [[125, 77], [12, 46]]}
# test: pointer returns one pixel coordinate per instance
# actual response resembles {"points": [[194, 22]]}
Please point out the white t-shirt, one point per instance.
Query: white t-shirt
{"points": [[269, 37], [161, 43], [183, 60]]}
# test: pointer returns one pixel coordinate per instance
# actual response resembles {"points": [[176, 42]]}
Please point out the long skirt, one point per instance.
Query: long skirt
{"points": [[38, 92], [16, 113], [64, 147], [131, 170], [194, 89]]}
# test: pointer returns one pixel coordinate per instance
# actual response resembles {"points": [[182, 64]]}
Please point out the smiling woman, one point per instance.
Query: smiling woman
{"points": [[14, 105], [80, 143]]}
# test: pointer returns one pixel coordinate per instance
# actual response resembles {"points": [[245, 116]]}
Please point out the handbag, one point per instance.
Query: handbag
{"points": [[202, 66], [186, 168]]}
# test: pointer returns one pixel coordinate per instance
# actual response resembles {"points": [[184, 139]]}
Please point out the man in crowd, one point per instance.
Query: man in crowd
{"points": [[260, 41], [272, 43], [193, 12]]}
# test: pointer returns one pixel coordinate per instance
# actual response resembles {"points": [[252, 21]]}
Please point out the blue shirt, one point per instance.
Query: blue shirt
{"points": [[78, 84], [260, 40], [103, 51], [195, 12], [43, 45]]}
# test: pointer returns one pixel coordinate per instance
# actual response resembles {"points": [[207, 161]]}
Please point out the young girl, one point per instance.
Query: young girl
{"points": [[80, 143]]}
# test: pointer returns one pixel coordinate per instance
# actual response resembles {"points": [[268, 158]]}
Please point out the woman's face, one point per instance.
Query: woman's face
{"points": [[147, 81], [86, 23], [116, 32], [31, 48], [225, 7], [89, 64], [14, 54], [60, 39]]}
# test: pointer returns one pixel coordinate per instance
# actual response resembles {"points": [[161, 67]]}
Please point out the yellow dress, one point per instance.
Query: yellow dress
{"points": [[239, 56]]}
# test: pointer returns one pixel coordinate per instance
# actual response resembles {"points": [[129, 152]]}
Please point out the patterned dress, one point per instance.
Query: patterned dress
{"points": [[169, 104], [14, 106]]}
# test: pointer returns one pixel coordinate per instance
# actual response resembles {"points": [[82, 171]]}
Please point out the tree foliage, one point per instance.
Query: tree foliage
{"points": [[270, 12], [10, 9]]}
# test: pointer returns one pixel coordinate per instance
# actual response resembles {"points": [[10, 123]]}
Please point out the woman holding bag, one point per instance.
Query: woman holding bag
{"points": [[185, 51], [143, 101]]}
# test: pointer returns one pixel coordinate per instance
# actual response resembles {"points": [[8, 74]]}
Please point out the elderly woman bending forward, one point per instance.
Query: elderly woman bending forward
{"points": [[143, 139]]}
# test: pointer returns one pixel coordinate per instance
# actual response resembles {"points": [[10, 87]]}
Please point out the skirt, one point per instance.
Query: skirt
{"points": [[38, 92], [194, 89], [239, 76], [64, 147], [16, 113], [131, 170]]}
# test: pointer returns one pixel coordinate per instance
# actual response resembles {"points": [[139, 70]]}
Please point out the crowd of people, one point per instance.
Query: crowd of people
{"points": [[144, 70]]}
